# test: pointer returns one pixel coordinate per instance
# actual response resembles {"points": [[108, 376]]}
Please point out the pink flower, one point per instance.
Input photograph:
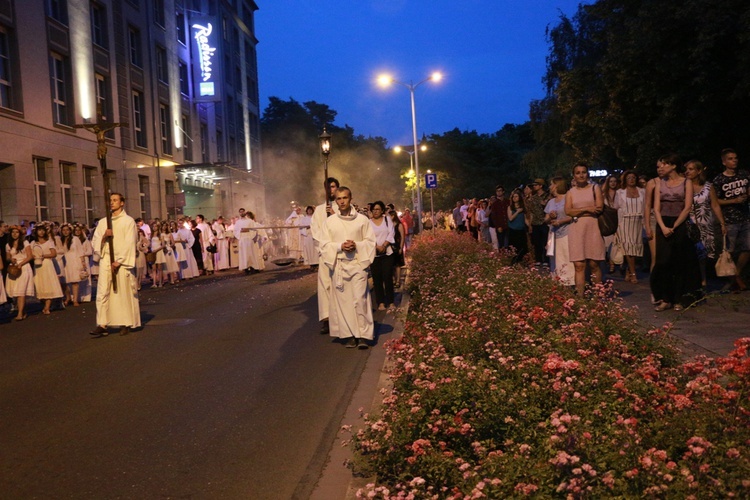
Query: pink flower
{"points": [[733, 453]]}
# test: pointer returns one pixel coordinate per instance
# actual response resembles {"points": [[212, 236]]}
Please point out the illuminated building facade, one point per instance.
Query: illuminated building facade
{"points": [[182, 74]]}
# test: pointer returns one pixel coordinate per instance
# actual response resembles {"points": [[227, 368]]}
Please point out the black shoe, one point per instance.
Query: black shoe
{"points": [[362, 344], [99, 332], [325, 328], [351, 343], [124, 330]]}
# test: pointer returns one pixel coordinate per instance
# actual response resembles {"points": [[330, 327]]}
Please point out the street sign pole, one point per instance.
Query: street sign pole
{"points": [[430, 181], [432, 209]]}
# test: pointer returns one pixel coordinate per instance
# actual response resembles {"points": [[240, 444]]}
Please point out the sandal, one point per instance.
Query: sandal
{"points": [[678, 307], [45, 311], [663, 307]]}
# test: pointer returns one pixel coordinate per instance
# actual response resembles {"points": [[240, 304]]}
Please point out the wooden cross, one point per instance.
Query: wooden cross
{"points": [[100, 128]]}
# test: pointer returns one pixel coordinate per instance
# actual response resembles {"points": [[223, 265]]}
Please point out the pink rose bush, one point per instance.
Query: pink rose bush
{"points": [[507, 385]]}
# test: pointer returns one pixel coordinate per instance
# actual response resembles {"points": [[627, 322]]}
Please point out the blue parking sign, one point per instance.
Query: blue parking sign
{"points": [[430, 180]]}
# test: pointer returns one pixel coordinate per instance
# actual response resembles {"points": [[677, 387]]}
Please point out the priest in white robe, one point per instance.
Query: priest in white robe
{"points": [[121, 307], [348, 248], [317, 226]]}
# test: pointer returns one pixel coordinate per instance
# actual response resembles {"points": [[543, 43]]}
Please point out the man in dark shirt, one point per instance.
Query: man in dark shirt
{"points": [[538, 229], [731, 189], [499, 218]]}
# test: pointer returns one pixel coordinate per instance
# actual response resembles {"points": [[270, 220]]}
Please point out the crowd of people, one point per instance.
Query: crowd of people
{"points": [[676, 225], [59, 264]]}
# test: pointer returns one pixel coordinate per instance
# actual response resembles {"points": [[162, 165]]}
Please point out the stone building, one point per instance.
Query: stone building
{"points": [[182, 74]]}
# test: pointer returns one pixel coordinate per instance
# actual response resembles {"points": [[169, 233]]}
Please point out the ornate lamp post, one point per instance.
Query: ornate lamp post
{"points": [[325, 150], [385, 81]]}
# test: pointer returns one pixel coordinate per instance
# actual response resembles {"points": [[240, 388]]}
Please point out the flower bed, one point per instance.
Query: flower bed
{"points": [[507, 385]]}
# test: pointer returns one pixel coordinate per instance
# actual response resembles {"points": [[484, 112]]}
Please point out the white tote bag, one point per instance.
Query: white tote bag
{"points": [[724, 264]]}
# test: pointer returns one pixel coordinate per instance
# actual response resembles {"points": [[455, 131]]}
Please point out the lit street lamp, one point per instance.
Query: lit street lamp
{"points": [[325, 150], [385, 81]]}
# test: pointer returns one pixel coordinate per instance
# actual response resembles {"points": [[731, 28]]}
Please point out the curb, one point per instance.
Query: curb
{"points": [[336, 481]]}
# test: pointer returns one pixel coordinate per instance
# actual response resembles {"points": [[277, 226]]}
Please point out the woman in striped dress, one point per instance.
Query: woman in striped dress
{"points": [[630, 205]]}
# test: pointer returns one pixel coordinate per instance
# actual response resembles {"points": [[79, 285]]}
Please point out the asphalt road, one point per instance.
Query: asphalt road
{"points": [[228, 391]]}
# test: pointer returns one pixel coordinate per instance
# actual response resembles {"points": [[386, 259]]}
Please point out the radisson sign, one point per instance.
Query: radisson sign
{"points": [[206, 66]]}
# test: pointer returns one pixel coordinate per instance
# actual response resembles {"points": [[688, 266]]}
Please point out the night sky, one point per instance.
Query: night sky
{"points": [[492, 54]]}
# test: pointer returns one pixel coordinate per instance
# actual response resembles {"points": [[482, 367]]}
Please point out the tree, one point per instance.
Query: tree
{"points": [[628, 80]]}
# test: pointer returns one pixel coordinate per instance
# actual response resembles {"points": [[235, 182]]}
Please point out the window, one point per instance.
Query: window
{"points": [[99, 25], [159, 12], [7, 91], [58, 10], [166, 130], [204, 143], [134, 44], [181, 34], [139, 112], [184, 79], [88, 193], [59, 82], [219, 146], [66, 190], [143, 194], [187, 141], [162, 71], [103, 101], [40, 188]]}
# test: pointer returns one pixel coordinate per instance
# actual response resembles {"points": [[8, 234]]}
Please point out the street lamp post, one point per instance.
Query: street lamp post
{"points": [[325, 150], [410, 152], [386, 80]]}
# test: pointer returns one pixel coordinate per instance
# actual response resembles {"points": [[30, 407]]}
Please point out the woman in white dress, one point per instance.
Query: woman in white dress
{"points": [[559, 221], [157, 246], [59, 262], [221, 257], [84, 287], [141, 266], [46, 281], [18, 251], [309, 253], [187, 241], [74, 261], [171, 267]]}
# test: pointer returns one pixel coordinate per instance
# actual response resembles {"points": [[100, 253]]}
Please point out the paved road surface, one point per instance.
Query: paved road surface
{"points": [[228, 392]]}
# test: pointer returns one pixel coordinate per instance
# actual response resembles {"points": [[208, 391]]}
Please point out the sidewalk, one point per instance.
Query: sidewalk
{"points": [[710, 328]]}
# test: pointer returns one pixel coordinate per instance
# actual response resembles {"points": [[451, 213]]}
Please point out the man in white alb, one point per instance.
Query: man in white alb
{"points": [[322, 212], [206, 237], [348, 249], [121, 307]]}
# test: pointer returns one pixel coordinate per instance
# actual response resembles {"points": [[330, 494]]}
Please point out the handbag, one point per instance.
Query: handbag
{"points": [[151, 257], [693, 231], [14, 271], [607, 219], [724, 264], [616, 253], [551, 243], [211, 248]]}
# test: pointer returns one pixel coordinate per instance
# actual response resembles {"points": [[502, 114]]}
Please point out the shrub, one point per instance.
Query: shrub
{"points": [[505, 384]]}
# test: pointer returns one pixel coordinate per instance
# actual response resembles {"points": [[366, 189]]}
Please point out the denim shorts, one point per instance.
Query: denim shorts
{"points": [[738, 236]]}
